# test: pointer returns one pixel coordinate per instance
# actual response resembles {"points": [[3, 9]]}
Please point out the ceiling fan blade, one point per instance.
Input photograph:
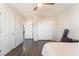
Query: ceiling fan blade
{"points": [[44, 4], [49, 3], [35, 8]]}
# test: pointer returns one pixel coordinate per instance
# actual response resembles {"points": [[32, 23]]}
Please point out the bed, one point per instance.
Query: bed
{"points": [[60, 49]]}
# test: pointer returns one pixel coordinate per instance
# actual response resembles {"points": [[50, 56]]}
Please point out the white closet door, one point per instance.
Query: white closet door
{"points": [[7, 31], [11, 28], [0, 32], [4, 34], [18, 30]]}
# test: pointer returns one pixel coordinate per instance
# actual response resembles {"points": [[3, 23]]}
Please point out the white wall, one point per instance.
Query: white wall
{"points": [[47, 28], [43, 28], [70, 20]]}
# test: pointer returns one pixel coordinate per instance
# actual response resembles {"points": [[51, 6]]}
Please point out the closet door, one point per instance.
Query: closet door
{"points": [[7, 30], [11, 29], [4, 33], [0, 32], [4, 30], [18, 30]]}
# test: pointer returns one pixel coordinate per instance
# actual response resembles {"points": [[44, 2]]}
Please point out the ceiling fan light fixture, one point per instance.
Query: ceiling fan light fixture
{"points": [[40, 5]]}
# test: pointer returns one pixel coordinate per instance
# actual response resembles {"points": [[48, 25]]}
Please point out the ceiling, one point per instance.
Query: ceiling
{"points": [[26, 9]]}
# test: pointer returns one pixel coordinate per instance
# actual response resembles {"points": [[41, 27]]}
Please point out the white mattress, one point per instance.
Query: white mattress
{"points": [[60, 49]]}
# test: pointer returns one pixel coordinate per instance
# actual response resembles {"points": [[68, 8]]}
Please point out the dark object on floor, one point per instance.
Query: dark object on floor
{"points": [[65, 38], [66, 31]]}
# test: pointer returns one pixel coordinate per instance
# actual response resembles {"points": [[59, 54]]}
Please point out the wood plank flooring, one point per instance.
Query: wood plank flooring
{"points": [[35, 49]]}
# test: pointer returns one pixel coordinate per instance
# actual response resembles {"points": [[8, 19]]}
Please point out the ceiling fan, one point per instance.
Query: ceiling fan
{"points": [[41, 4]]}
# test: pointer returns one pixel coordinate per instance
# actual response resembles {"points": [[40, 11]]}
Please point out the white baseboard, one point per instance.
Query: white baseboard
{"points": [[3, 53]]}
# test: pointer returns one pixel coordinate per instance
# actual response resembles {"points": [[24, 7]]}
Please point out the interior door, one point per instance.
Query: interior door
{"points": [[28, 42], [28, 30]]}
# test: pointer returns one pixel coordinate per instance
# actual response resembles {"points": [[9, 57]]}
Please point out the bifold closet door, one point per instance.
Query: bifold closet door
{"points": [[7, 31], [0, 32], [11, 30], [18, 30]]}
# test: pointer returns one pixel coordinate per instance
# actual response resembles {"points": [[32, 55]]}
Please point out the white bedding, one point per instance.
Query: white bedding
{"points": [[60, 49]]}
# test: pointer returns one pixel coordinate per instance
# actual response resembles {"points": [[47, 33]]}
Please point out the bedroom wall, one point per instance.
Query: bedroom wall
{"points": [[47, 28], [44, 28], [69, 19]]}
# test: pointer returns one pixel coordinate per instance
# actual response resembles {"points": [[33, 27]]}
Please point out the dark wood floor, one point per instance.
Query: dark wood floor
{"points": [[34, 50]]}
